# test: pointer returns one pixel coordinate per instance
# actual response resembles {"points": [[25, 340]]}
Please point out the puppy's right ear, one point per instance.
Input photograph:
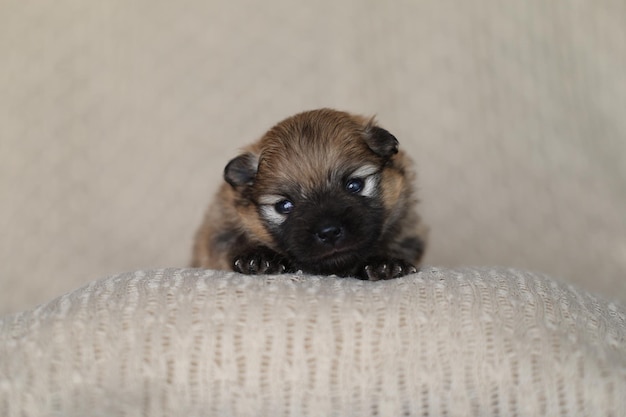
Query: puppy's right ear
{"points": [[241, 170], [380, 140]]}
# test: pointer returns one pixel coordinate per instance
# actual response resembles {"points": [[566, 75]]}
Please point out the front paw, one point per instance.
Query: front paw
{"points": [[386, 268], [259, 261]]}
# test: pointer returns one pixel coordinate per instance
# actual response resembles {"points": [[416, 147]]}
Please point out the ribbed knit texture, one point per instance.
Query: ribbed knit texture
{"points": [[465, 342]]}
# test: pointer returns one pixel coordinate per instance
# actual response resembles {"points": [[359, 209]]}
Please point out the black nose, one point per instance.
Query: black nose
{"points": [[329, 234]]}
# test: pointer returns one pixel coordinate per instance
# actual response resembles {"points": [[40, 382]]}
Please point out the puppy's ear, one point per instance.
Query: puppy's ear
{"points": [[241, 170], [380, 140]]}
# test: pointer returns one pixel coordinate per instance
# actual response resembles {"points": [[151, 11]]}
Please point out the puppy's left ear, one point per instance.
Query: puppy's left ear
{"points": [[380, 141], [241, 171]]}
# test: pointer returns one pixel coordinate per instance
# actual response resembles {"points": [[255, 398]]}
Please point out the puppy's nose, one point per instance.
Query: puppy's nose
{"points": [[329, 234]]}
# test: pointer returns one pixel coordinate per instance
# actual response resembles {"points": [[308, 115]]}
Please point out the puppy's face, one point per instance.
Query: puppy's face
{"points": [[315, 183]]}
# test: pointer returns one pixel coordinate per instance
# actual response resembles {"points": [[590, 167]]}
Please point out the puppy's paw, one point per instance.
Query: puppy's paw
{"points": [[386, 268], [259, 261]]}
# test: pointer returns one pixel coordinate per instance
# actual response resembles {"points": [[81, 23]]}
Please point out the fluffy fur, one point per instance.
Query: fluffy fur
{"points": [[325, 192]]}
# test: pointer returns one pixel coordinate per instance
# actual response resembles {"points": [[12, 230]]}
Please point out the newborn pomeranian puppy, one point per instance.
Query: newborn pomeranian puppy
{"points": [[323, 192]]}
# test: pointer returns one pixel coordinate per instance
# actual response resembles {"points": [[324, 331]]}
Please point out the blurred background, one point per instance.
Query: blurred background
{"points": [[117, 118]]}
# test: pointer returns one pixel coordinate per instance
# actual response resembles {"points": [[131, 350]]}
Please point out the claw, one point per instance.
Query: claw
{"points": [[259, 261], [382, 268]]}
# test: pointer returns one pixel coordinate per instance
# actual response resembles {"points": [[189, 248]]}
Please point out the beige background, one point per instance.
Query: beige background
{"points": [[116, 119]]}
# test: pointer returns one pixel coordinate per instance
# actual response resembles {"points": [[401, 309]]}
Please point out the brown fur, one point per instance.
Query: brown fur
{"points": [[308, 159]]}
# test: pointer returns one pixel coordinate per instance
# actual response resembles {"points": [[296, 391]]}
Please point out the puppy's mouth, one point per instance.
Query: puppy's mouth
{"points": [[335, 259], [335, 252]]}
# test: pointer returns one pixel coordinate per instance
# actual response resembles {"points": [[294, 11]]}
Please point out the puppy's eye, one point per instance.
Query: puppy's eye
{"points": [[355, 185], [284, 206]]}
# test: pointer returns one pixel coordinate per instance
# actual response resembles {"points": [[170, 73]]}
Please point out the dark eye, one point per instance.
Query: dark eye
{"points": [[355, 185], [284, 206]]}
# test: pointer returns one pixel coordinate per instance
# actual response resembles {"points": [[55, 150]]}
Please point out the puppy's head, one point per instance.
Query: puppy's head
{"points": [[312, 188]]}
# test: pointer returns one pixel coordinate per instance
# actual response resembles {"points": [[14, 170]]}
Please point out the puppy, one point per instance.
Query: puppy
{"points": [[324, 192]]}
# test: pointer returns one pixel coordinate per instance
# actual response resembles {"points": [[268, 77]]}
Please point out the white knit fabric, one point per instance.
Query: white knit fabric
{"points": [[180, 342]]}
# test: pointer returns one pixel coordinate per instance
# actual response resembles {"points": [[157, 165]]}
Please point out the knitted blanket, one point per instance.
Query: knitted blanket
{"points": [[184, 342]]}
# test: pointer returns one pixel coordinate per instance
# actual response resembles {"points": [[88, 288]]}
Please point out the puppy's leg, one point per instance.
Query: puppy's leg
{"points": [[379, 268], [401, 259], [259, 260]]}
